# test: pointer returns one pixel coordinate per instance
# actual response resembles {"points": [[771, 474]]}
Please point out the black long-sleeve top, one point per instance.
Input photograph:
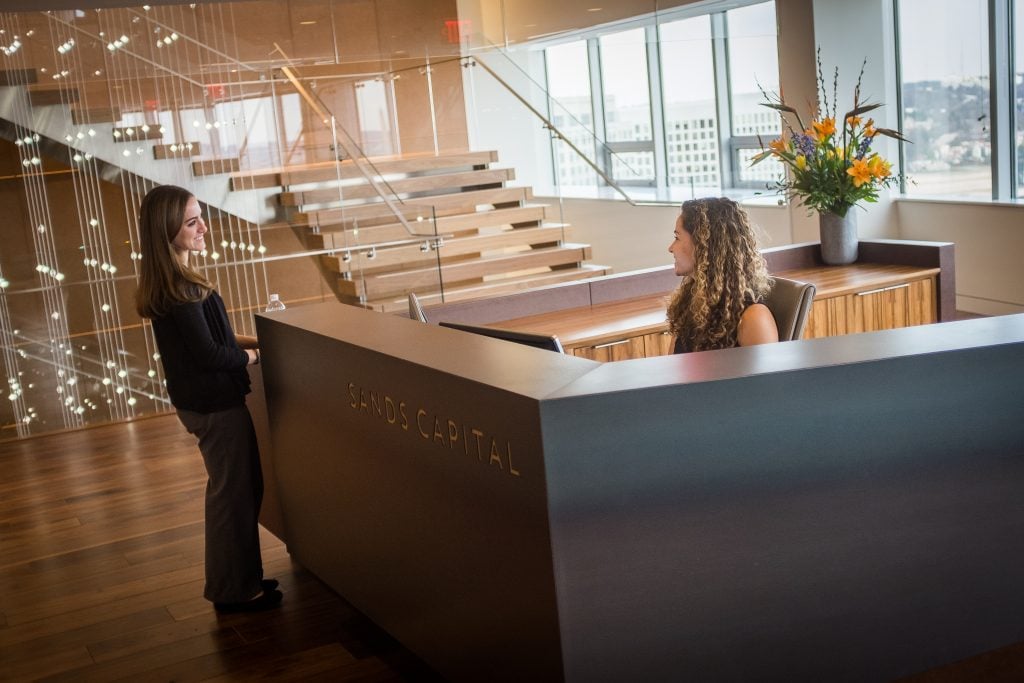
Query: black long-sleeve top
{"points": [[203, 364]]}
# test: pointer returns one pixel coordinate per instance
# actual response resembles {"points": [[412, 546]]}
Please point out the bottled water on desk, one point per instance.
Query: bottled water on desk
{"points": [[275, 303]]}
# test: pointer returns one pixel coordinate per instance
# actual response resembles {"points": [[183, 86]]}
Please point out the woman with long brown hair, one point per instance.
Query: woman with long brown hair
{"points": [[205, 371], [718, 305]]}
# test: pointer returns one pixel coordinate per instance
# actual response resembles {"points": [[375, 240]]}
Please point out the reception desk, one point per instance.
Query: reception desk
{"points": [[841, 509]]}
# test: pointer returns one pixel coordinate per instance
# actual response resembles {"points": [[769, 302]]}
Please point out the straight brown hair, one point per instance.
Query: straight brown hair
{"points": [[163, 280]]}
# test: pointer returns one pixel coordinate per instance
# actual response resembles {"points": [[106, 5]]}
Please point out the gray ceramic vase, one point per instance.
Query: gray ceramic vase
{"points": [[838, 237]]}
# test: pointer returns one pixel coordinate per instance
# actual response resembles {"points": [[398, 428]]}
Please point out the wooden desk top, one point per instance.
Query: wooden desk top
{"points": [[597, 324], [831, 281], [607, 322]]}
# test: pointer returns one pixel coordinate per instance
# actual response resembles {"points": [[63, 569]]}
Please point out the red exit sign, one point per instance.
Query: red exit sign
{"points": [[455, 29]]}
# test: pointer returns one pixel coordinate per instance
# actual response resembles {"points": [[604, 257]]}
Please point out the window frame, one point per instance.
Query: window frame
{"points": [[1002, 111], [728, 145]]}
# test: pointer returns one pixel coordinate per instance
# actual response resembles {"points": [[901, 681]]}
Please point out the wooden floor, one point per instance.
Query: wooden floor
{"points": [[101, 579], [101, 575]]}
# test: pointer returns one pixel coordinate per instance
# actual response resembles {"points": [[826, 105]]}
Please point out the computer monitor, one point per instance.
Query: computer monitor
{"points": [[538, 341]]}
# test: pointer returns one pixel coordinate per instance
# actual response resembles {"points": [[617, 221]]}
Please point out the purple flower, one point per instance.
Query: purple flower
{"points": [[863, 147], [804, 144]]}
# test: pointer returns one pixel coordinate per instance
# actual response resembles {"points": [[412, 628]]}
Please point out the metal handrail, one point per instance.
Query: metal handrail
{"points": [[473, 61], [351, 147], [189, 39], [434, 240]]}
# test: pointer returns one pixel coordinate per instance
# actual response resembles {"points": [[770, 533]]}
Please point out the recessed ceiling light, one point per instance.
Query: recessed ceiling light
{"points": [[594, 9], [307, 23]]}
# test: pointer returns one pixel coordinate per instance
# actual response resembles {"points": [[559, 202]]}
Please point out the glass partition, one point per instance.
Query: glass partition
{"points": [[294, 123], [97, 106]]}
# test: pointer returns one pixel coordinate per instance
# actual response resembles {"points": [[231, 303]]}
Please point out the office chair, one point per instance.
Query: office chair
{"points": [[790, 301], [416, 309]]}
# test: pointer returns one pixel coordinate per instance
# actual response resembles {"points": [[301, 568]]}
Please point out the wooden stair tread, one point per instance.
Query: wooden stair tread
{"points": [[324, 172], [95, 115], [420, 183], [377, 285], [445, 204], [18, 77], [392, 232], [135, 133], [430, 296], [215, 166], [412, 256], [44, 97], [177, 150]]}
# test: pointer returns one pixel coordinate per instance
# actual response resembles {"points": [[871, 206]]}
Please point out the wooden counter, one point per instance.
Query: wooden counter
{"points": [[861, 297]]}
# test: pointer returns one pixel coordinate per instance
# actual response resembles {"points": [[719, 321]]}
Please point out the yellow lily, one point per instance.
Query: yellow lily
{"points": [[860, 172], [879, 167], [801, 162], [823, 128]]}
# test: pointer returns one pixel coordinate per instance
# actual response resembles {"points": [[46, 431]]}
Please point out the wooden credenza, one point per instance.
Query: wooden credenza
{"points": [[868, 297], [862, 297]]}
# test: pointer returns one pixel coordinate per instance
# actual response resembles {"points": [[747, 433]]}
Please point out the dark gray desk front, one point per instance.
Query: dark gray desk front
{"points": [[837, 509]]}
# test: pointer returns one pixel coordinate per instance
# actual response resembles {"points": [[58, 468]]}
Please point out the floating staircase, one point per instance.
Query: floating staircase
{"points": [[466, 232], [60, 114], [490, 238]]}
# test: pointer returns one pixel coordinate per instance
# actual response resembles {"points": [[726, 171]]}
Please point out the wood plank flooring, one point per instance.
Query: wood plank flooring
{"points": [[101, 575], [101, 579]]}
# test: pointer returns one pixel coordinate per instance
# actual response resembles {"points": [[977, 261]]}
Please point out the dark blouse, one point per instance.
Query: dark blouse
{"points": [[203, 364]]}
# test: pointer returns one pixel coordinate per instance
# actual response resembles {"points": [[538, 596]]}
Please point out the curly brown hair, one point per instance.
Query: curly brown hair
{"points": [[729, 274]]}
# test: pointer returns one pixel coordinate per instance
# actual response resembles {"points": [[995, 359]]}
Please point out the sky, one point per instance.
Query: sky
{"points": [[942, 38]]}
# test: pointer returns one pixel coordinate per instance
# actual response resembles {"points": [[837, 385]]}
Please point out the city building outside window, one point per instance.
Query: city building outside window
{"points": [[675, 100], [944, 62], [627, 106], [572, 111]]}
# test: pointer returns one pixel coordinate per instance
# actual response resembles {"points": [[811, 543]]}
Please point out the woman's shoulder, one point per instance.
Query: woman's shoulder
{"points": [[757, 326]]}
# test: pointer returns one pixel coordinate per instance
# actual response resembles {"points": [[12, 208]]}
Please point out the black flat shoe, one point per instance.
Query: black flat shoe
{"points": [[266, 600], [268, 584]]}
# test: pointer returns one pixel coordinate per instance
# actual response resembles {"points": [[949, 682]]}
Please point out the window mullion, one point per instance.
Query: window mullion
{"points": [[657, 107], [1001, 99], [601, 157], [723, 104]]}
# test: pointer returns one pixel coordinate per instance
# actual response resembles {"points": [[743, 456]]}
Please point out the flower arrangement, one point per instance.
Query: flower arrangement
{"points": [[830, 168]]}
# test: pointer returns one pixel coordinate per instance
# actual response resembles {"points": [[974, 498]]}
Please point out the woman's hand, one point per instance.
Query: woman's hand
{"points": [[254, 356]]}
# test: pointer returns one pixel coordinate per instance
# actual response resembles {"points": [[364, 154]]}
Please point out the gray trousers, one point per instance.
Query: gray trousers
{"points": [[234, 492]]}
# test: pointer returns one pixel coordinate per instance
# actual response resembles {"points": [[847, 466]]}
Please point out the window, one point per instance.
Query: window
{"points": [[674, 89], [753, 67], [944, 57], [688, 82], [571, 111], [374, 117], [627, 106], [1018, 95]]}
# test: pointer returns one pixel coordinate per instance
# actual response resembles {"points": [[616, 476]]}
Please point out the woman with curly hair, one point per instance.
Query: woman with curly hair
{"points": [[725, 279]]}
